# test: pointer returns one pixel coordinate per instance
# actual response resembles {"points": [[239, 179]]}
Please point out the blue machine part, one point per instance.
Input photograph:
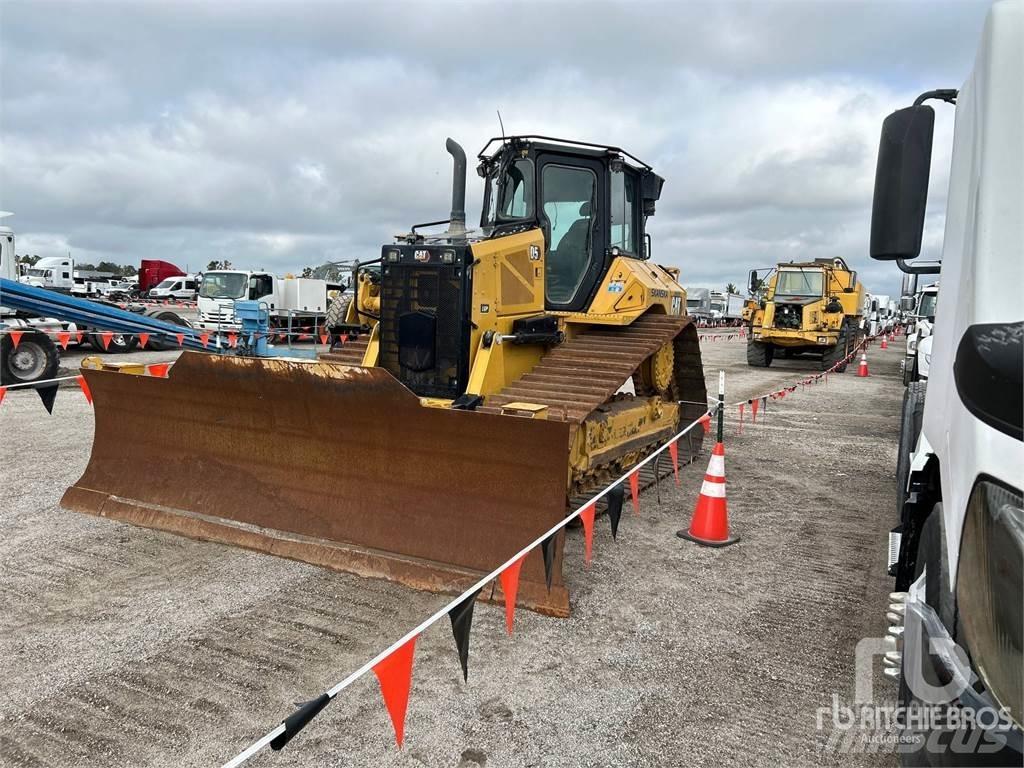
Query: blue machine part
{"points": [[43, 303]]}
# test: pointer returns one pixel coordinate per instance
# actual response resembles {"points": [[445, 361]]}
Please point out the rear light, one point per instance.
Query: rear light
{"points": [[990, 591]]}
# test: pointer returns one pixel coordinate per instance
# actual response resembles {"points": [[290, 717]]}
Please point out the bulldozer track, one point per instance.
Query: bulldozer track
{"points": [[577, 377]]}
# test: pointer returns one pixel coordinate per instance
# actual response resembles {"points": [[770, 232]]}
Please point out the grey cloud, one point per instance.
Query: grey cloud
{"points": [[280, 135]]}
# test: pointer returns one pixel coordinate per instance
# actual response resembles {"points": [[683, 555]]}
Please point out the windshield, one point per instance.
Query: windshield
{"points": [[166, 283], [692, 303], [928, 302], [224, 285], [799, 282], [36, 272]]}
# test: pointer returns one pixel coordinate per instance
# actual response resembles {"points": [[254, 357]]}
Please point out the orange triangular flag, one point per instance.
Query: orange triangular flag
{"points": [[85, 388], [3, 393], [705, 422], [180, 337], [79, 335], [204, 338], [634, 490], [143, 340], [159, 369], [510, 586], [106, 336], [753, 410], [587, 518], [394, 673], [673, 451], [16, 338], [740, 430], [63, 337], [324, 338], [232, 339]]}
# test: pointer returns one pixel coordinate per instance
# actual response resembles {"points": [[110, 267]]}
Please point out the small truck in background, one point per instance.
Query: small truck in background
{"points": [[291, 301], [956, 617]]}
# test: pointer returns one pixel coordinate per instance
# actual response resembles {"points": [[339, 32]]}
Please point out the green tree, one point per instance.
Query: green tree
{"points": [[731, 288], [307, 271], [225, 264]]}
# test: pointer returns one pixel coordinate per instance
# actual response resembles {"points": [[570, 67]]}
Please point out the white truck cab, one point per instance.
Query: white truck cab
{"points": [[53, 272], [957, 554], [289, 301]]}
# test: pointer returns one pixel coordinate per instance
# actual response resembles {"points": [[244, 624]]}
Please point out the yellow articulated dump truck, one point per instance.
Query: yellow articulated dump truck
{"points": [[490, 377], [810, 308]]}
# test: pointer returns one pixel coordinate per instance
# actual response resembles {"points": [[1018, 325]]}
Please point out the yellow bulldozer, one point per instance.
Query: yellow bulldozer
{"points": [[488, 379], [809, 308]]}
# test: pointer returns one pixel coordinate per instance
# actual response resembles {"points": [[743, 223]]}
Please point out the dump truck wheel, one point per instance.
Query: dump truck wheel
{"points": [[834, 354], [35, 359], [759, 354]]}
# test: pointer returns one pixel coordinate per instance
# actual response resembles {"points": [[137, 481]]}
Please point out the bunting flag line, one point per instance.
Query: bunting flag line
{"points": [[394, 673], [634, 490], [510, 587], [48, 393], [547, 550], [84, 386], [393, 666], [673, 451], [462, 618], [587, 518], [615, 497]]}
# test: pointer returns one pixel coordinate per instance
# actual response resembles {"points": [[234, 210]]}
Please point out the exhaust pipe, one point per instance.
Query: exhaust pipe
{"points": [[457, 220]]}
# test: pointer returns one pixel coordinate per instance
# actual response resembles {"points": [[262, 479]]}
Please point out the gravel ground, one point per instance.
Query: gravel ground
{"points": [[121, 646]]}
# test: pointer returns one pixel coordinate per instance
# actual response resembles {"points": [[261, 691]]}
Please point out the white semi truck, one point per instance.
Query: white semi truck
{"points": [[290, 301], [56, 273], [957, 613]]}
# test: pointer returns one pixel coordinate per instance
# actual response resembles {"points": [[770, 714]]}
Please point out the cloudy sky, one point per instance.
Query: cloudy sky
{"points": [[283, 135]]}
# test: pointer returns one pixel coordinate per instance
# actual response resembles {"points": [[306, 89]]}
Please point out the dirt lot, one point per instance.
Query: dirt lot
{"points": [[122, 646]]}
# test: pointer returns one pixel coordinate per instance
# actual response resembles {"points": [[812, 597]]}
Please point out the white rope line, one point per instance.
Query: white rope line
{"points": [[41, 382], [241, 757]]}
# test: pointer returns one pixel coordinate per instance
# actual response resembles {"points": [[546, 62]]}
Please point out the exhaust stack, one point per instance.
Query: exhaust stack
{"points": [[457, 220]]}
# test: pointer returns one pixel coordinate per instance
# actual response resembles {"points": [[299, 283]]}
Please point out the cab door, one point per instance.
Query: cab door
{"points": [[572, 210]]}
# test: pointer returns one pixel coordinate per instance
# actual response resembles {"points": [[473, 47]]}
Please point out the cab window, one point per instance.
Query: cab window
{"points": [[569, 200], [517, 191], [623, 213], [260, 286]]}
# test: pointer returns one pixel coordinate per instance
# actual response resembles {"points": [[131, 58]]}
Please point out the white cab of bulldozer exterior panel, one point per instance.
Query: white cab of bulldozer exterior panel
{"points": [[302, 294], [982, 268]]}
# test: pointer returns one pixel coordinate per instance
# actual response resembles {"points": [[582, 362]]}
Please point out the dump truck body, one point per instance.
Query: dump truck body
{"points": [[476, 389]]}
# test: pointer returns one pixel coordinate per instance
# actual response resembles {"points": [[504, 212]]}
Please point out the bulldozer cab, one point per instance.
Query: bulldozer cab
{"points": [[590, 201]]}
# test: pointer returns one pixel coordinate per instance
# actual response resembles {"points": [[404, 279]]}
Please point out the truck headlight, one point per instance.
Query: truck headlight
{"points": [[990, 591], [393, 256], [912, 344]]}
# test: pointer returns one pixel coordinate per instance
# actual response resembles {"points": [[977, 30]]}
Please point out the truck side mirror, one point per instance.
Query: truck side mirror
{"points": [[907, 303], [909, 285], [901, 183], [754, 283]]}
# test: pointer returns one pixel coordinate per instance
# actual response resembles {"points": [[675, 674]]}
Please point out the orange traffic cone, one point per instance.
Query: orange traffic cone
{"points": [[885, 342], [710, 522], [862, 369]]}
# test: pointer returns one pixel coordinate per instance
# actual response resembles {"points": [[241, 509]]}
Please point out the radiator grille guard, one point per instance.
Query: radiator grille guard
{"points": [[425, 318]]}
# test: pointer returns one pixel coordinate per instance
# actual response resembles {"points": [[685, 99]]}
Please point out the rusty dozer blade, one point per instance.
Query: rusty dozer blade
{"points": [[334, 465]]}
